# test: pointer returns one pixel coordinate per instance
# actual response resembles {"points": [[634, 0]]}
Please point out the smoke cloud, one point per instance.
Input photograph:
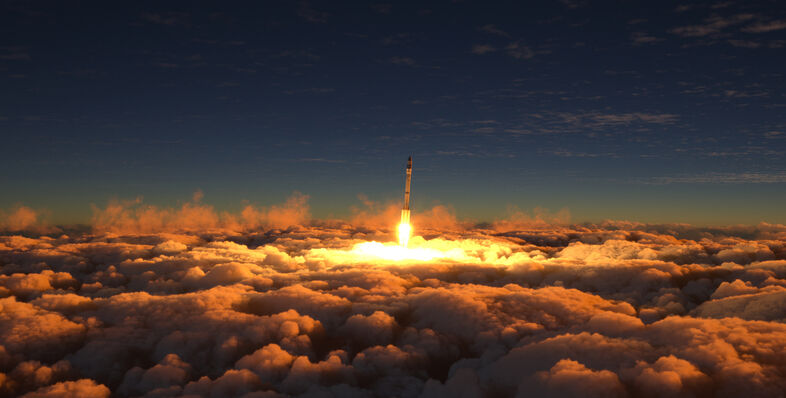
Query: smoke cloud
{"points": [[191, 302], [23, 218]]}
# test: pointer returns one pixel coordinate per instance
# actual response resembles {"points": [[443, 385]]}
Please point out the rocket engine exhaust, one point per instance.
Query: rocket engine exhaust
{"points": [[404, 228]]}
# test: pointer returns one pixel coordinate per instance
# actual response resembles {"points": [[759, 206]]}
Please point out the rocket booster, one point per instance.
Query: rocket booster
{"points": [[409, 180], [405, 210]]}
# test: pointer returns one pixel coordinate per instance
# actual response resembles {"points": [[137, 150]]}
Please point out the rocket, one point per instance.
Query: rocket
{"points": [[405, 210], [404, 229]]}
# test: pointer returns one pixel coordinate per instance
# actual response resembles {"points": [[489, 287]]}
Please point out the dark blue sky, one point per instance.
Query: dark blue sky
{"points": [[648, 111]]}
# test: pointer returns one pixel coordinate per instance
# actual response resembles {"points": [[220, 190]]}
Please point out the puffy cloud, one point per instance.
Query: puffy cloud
{"points": [[30, 375], [134, 217], [669, 376], [518, 219], [305, 373], [170, 247], [36, 333], [226, 274], [23, 218], [735, 288], [295, 211], [463, 384], [26, 285], [177, 302], [79, 388], [375, 329], [745, 253], [170, 371], [569, 378], [384, 215], [270, 363], [766, 305], [233, 383]]}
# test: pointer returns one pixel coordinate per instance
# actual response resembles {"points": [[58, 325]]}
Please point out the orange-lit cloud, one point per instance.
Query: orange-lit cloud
{"points": [[23, 218], [188, 301], [135, 217]]}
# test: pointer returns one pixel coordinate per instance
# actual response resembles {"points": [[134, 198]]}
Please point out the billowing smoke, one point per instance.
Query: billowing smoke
{"points": [[190, 302], [23, 218]]}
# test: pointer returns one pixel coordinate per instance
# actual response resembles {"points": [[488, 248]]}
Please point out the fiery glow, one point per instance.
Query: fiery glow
{"points": [[393, 252], [404, 231], [421, 251]]}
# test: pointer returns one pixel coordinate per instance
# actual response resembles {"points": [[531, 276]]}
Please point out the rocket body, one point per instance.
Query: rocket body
{"points": [[404, 229], [405, 210]]}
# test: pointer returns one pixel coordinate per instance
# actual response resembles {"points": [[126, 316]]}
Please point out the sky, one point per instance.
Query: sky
{"points": [[647, 111]]}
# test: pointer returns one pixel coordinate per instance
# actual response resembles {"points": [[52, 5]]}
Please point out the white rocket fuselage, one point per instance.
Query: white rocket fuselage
{"points": [[405, 210]]}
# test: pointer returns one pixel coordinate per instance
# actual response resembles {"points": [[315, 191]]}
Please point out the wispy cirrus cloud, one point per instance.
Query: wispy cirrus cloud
{"points": [[480, 49], [712, 25], [722, 178], [493, 30], [168, 19], [765, 26], [306, 11], [405, 61], [599, 119], [15, 57], [319, 160], [639, 38], [744, 43], [383, 8], [310, 90], [519, 51], [14, 53]]}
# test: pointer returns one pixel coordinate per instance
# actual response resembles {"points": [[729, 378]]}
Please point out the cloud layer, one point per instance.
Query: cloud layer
{"points": [[185, 302]]}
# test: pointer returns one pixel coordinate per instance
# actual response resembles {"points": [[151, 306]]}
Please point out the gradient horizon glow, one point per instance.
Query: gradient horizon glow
{"points": [[646, 112]]}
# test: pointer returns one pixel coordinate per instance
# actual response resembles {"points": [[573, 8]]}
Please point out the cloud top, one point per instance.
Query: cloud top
{"points": [[187, 301]]}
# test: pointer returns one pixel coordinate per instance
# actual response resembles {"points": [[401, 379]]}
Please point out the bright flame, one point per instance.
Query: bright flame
{"points": [[404, 230], [419, 251], [393, 252]]}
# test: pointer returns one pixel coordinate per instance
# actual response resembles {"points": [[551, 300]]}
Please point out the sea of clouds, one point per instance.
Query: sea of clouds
{"points": [[267, 303]]}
